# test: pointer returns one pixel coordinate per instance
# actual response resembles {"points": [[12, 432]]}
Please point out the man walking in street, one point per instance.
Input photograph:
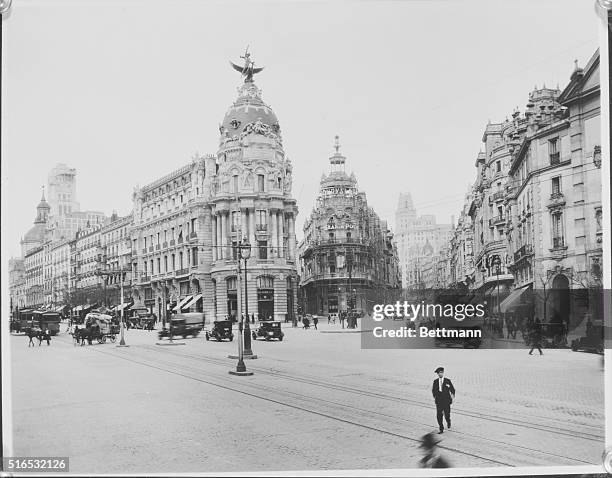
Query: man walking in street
{"points": [[315, 321], [443, 392], [536, 337]]}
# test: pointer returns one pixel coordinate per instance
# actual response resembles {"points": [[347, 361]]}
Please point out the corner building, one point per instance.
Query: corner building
{"points": [[187, 224], [348, 258]]}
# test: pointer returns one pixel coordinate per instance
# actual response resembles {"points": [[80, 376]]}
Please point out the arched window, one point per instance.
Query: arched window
{"points": [[265, 282]]}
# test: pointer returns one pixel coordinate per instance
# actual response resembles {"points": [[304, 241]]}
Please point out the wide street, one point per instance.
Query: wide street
{"points": [[316, 401]]}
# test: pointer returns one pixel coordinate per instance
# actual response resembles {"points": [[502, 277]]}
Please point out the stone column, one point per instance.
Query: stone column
{"points": [[273, 235], [281, 229], [224, 235], [252, 232], [214, 238], [292, 237], [245, 228]]}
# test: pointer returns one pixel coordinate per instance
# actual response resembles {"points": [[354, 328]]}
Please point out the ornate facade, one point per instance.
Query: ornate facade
{"points": [[348, 258], [187, 224]]}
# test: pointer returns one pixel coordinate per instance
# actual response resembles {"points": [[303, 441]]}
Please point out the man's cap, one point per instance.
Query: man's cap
{"points": [[439, 369]]}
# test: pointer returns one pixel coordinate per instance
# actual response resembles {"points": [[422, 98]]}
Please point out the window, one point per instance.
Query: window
{"points": [[498, 166], [232, 283], [265, 282], [235, 183], [260, 182], [263, 249], [194, 256], [180, 260], [553, 150], [260, 218], [165, 263], [193, 224], [235, 220], [557, 229], [158, 265], [556, 185], [173, 262]]}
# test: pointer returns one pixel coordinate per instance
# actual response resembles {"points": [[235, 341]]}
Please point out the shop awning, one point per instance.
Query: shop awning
{"points": [[513, 300], [182, 303], [192, 302]]}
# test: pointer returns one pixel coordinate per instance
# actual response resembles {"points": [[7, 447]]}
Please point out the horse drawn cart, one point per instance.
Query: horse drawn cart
{"points": [[97, 327]]}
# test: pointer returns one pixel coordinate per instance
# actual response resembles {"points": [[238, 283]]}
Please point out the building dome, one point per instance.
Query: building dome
{"points": [[36, 234], [248, 108]]}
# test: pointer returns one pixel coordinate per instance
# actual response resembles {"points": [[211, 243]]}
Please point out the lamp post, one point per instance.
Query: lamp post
{"points": [[245, 253], [240, 366], [497, 264]]}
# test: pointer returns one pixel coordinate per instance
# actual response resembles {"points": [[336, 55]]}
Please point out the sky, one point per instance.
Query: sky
{"points": [[128, 91]]}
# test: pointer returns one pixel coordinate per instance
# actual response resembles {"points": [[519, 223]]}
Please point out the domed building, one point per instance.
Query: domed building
{"points": [[348, 259], [188, 224], [37, 234]]}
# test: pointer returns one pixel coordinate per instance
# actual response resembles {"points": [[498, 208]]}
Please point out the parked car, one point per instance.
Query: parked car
{"points": [[269, 330], [222, 329], [138, 317]]}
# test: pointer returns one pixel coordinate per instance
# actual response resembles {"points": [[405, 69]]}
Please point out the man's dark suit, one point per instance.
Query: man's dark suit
{"points": [[443, 400]]}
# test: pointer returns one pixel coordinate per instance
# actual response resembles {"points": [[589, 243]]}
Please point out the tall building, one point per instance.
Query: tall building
{"points": [[61, 187], [188, 224], [554, 220], [419, 238], [348, 258], [37, 234], [65, 216]]}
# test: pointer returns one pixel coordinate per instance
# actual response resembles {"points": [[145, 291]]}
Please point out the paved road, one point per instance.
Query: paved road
{"points": [[316, 401]]}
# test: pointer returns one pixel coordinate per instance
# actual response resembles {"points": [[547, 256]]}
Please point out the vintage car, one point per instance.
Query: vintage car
{"points": [[184, 325], [269, 330], [222, 329], [465, 333], [139, 317], [593, 341]]}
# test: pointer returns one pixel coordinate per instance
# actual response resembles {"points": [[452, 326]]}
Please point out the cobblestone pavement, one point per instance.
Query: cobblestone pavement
{"points": [[316, 401]]}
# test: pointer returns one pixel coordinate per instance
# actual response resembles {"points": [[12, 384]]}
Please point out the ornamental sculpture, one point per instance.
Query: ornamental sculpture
{"points": [[248, 70]]}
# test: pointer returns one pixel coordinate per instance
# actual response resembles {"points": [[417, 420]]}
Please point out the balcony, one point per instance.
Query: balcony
{"points": [[157, 247], [497, 220], [182, 272], [523, 252], [144, 279], [165, 245], [180, 240], [261, 227], [497, 196], [557, 199], [193, 237], [150, 248], [172, 242], [144, 251]]}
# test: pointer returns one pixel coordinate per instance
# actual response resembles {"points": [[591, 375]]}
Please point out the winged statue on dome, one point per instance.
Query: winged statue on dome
{"points": [[248, 70]]}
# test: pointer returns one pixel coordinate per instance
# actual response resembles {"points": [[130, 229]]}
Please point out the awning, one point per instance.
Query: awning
{"points": [[513, 300], [182, 303], [192, 302]]}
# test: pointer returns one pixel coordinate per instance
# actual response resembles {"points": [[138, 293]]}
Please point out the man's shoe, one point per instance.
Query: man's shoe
{"points": [[441, 431], [448, 426]]}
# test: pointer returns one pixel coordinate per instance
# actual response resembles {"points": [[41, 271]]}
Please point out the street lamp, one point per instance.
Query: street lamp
{"points": [[240, 367], [497, 264], [245, 253]]}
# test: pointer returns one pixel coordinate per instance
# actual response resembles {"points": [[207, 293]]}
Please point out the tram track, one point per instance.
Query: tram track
{"points": [[373, 420], [407, 401]]}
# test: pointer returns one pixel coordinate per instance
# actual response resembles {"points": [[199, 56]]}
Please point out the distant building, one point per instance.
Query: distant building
{"points": [[348, 258], [418, 238]]}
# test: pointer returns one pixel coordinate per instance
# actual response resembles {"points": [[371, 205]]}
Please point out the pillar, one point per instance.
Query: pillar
{"points": [[244, 232], [281, 230], [224, 222], [252, 234], [273, 235], [214, 238]]}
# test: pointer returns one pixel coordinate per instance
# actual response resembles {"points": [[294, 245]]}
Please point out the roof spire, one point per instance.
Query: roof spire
{"points": [[337, 144], [43, 193]]}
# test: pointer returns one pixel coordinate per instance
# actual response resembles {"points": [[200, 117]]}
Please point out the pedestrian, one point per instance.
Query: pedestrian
{"points": [[31, 337], [252, 318], [328, 318], [47, 337], [536, 336], [342, 319], [315, 321], [432, 458], [443, 392]]}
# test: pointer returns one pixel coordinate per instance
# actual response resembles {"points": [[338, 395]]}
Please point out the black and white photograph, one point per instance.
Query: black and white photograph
{"points": [[306, 237]]}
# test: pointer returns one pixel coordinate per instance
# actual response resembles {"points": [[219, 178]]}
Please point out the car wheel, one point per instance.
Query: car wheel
{"points": [[280, 339], [207, 337], [231, 338], [254, 335]]}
